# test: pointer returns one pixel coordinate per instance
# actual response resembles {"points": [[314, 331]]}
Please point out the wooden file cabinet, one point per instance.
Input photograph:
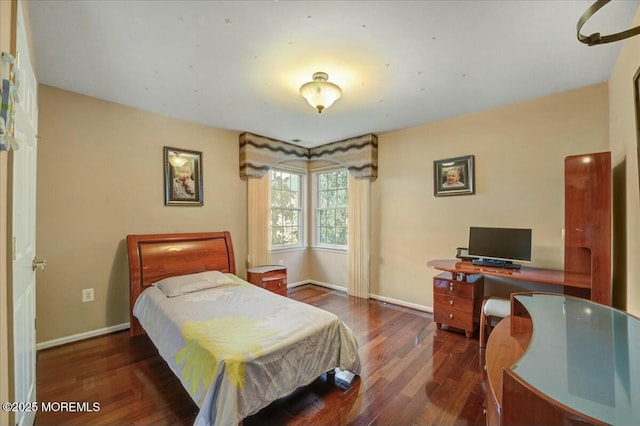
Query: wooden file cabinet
{"points": [[269, 277], [457, 302]]}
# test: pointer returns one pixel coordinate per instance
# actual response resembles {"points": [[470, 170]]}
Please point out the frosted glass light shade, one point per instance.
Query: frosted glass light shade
{"points": [[320, 93]]}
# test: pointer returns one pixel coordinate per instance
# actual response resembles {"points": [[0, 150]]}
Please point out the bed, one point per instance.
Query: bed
{"points": [[234, 346]]}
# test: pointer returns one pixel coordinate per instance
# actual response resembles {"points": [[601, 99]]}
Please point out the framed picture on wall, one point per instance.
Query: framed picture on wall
{"points": [[182, 177], [453, 176]]}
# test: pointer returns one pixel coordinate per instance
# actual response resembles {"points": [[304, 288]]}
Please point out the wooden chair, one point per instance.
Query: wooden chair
{"points": [[492, 308]]}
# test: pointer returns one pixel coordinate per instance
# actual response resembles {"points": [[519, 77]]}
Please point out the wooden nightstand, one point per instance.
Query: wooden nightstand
{"points": [[269, 277]]}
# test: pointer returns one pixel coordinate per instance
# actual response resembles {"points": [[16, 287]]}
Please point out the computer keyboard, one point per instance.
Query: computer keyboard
{"points": [[496, 264]]}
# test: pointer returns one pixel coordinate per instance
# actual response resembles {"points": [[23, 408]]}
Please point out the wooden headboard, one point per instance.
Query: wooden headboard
{"points": [[153, 257]]}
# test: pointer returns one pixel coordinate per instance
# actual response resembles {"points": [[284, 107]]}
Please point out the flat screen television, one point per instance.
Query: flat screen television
{"points": [[499, 246]]}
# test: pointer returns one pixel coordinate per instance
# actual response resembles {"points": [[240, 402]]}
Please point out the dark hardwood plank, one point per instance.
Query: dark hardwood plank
{"points": [[412, 373]]}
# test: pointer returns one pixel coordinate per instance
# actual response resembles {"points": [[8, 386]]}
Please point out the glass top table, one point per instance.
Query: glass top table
{"points": [[583, 355]]}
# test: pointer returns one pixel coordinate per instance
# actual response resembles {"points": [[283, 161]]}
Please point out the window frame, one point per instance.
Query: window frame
{"points": [[315, 208], [302, 209]]}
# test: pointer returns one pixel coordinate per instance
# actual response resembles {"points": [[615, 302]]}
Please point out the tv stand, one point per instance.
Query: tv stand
{"points": [[505, 264]]}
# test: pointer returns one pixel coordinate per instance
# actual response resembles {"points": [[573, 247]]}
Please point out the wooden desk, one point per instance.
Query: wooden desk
{"points": [[503, 351], [563, 360], [537, 275]]}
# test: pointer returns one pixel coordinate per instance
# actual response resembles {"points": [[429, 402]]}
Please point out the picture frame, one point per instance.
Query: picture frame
{"points": [[182, 177], [454, 176]]}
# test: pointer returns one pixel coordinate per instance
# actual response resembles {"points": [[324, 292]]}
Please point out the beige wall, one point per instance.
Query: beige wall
{"points": [[100, 177], [329, 267], [625, 152], [519, 156]]}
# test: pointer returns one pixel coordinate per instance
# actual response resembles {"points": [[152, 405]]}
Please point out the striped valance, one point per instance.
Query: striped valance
{"points": [[258, 154], [358, 155]]}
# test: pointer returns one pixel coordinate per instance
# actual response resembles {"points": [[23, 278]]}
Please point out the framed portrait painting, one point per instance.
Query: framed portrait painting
{"points": [[182, 177], [453, 176]]}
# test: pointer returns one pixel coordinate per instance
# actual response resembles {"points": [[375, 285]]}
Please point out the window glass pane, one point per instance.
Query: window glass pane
{"points": [[323, 199], [286, 208], [294, 199], [322, 218], [275, 179], [342, 180], [295, 183], [332, 198], [323, 182], [341, 217], [331, 213]]}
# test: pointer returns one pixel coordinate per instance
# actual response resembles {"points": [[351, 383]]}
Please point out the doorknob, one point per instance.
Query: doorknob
{"points": [[38, 264]]}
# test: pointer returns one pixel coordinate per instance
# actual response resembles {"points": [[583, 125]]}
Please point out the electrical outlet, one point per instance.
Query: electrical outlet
{"points": [[87, 295], [281, 262]]}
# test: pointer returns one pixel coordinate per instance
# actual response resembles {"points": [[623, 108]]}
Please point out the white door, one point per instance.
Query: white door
{"points": [[24, 226]]}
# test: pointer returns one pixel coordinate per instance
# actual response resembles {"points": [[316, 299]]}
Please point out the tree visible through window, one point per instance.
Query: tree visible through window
{"points": [[286, 208], [331, 211]]}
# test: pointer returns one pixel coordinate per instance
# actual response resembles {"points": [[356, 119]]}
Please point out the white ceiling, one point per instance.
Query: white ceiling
{"points": [[238, 65]]}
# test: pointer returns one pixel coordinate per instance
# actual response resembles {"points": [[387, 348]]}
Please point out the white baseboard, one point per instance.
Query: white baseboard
{"points": [[81, 336], [297, 284], [326, 285], [402, 303]]}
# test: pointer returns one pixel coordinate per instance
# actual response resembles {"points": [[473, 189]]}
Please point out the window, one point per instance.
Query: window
{"points": [[331, 208], [286, 209]]}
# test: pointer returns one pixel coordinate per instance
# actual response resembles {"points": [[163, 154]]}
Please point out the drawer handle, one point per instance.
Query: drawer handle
{"points": [[451, 316], [451, 287], [451, 302], [279, 284]]}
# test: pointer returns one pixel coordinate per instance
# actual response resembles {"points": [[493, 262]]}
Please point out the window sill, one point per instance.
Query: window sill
{"points": [[330, 249], [285, 249]]}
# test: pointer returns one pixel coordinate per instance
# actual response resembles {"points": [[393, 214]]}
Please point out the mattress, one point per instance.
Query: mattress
{"points": [[238, 348]]}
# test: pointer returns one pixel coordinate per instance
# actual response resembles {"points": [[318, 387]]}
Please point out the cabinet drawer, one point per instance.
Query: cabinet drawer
{"points": [[274, 275], [453, 317], [453, 288], [275, 285], [448, 301]]}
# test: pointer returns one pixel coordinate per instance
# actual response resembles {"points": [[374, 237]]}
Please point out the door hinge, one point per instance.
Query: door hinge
{"points": [[13, 248]]}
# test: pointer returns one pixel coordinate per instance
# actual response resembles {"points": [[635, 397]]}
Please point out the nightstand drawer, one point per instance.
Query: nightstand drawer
{"points": [[275, 285], [274, 275]]}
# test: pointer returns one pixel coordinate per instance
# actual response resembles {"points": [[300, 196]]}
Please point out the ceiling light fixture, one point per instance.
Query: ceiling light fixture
{"points": [[320, 93]]}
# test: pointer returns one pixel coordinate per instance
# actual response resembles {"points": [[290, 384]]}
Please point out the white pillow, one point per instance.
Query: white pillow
{"points": [[183, 284]]}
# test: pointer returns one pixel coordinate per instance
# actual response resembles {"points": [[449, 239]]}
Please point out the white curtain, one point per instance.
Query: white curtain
{"points": [[359, 207], [259, 214]]}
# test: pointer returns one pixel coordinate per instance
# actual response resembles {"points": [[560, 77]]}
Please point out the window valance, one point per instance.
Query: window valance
{"points": [[258, 154]]}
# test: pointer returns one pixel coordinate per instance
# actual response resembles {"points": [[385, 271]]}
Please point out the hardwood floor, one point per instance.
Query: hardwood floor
{"points": [[412, 373]]}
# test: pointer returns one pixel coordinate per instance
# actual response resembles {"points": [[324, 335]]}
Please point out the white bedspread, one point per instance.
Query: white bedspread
{"points": [[237, 349]]}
